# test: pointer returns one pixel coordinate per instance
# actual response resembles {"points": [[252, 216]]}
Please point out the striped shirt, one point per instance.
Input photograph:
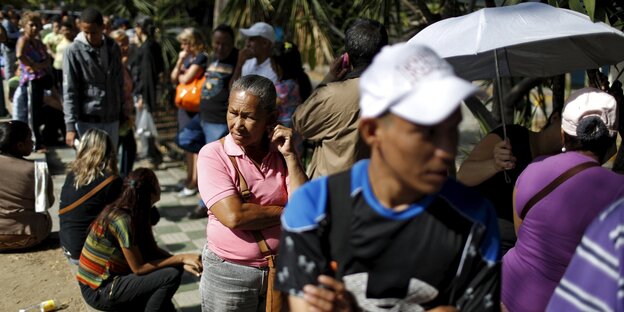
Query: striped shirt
{"points": [[102, 257], [594, 280]]}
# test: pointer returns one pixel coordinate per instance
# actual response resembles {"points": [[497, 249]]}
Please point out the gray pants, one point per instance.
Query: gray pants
{"points": [[226, 286]]}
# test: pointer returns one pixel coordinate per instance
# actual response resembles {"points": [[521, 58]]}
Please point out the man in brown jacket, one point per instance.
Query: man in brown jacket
{"points": [[329, 118]]}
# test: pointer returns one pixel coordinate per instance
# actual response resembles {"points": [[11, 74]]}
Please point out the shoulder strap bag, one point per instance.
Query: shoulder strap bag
{"points": [[274, 298], [92, 192], [554, 184]]}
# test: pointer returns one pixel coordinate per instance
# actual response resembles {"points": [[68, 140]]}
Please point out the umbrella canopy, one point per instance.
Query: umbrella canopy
{"points": [[530, 40]]}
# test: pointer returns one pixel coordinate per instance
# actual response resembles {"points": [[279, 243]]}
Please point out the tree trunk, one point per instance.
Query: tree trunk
{"points": [[219, 5]]}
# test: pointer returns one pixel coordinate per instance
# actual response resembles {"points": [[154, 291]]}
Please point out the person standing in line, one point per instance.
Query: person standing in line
{"points": [[329, 118], [215, 93], [255, 58], [395, 230], [34, 67], [127, 144], [191, 65], [92, 81], [68, 34], [147, 66], [259, 155], [550, 221], [11, 26], [293, 85]]}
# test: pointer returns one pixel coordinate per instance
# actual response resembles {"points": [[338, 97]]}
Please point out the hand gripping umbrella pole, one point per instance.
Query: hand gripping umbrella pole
{"points": [[501, 106]]}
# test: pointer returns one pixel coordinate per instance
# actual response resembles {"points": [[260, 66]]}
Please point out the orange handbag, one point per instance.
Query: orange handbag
{"points": [[188, 95]]}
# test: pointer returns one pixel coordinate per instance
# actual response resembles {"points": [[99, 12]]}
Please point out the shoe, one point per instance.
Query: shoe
{"points": [[198, 213], [187, 192]]}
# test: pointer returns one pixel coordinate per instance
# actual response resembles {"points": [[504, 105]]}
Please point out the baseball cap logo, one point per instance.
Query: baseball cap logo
{"points": [[421, 65]]}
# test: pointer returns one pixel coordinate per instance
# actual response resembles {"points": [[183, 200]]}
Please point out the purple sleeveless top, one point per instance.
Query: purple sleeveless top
{"points": [[36, 51], [553, 227]]}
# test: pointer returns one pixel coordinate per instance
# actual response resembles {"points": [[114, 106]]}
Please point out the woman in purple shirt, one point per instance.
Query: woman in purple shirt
{"points": [[549, 233]]}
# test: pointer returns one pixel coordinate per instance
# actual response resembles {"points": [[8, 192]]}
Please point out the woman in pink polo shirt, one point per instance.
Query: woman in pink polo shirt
{"points": [[235, 272]]}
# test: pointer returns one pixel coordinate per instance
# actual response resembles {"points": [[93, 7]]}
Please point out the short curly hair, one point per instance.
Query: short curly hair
{"points": [[29, 16]]}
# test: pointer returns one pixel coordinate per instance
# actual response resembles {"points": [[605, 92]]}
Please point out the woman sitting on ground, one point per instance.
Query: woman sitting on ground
{"points": [[92, 182], [121, 266], [20, 225], [550, 221]]}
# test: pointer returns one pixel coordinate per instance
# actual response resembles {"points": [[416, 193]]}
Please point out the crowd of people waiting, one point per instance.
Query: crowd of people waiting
{"points": [[382, 225]]}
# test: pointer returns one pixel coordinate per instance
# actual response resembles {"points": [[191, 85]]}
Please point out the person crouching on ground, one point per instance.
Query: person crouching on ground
{"points": [[92, 182], [20, 225], [121, 266]]}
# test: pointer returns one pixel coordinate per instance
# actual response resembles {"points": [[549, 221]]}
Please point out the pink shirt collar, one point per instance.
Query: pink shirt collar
{"points": [[232, 149]]}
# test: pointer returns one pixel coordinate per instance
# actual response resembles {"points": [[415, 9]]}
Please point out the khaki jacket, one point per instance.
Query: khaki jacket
{"points": [[329, 119]]}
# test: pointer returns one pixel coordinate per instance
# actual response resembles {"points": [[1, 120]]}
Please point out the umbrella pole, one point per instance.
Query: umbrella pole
{"points": [[501, 106]]}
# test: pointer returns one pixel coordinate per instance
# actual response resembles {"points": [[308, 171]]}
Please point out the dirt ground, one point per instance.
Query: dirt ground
{"points": [[36, 275]]}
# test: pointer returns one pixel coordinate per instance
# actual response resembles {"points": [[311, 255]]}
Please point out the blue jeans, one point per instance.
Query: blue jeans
{"points": [[20, 104], [112, 128], [226, 286], [191, 137], [214, 131]]}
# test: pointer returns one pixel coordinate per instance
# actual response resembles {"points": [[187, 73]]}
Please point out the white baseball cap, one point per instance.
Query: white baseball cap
{"points": [[589, 102], [260, 29], [413, 82]]}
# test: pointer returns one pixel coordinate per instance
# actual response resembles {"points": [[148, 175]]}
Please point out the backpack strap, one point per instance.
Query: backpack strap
{"points": [[554, 184], [336, 228]]}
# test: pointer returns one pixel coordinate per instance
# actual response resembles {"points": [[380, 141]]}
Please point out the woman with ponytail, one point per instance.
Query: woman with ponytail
{"points": [[121, 266], [556, 198]]}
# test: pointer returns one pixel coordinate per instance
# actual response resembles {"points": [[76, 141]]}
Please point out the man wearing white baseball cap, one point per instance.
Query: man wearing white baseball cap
{"points": [[255, 58], [395, 230]]}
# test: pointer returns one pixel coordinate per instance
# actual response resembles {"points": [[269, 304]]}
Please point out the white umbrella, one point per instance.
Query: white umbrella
{"points": [[526, 40], [529, 40]]}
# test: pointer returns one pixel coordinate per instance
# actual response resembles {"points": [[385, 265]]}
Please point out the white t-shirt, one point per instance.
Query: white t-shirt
{"points": [[265, 70]]}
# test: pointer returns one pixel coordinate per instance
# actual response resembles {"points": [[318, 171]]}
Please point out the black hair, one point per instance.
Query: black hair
{"points": [[591, 135], [92, 15], [225, 28], [363, 40], [288, 58], [147, 24], [67, 24], [135, 201], [11, 133], [6, 8]]}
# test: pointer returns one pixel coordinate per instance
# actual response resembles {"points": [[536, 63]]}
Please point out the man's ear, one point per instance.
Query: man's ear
{"points": [[369, 130]]}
